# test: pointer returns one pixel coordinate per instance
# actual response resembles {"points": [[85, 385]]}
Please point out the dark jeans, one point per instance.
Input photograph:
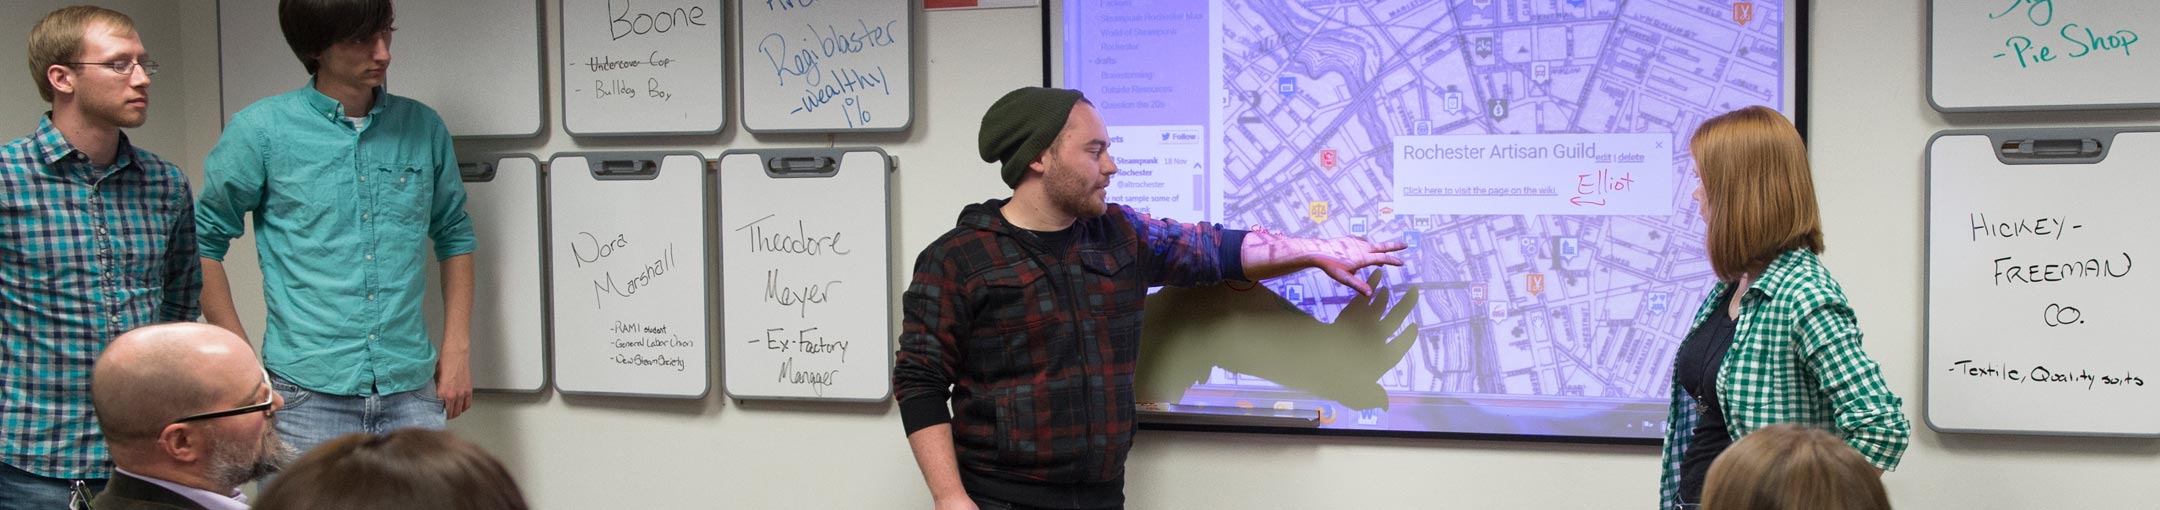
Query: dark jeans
{"points": [[27, 491], [988, 503]]}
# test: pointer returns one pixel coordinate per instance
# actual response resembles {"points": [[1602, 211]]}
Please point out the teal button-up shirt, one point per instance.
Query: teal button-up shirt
{"points": [[343, 220]]}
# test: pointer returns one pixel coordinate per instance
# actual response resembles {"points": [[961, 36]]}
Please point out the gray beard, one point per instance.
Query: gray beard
{"points": [[231, 466]]}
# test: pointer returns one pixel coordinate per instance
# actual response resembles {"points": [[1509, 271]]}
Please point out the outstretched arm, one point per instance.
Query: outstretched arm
{"points": [[1268, 255]]}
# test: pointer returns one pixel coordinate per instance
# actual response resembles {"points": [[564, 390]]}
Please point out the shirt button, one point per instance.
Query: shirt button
{"points": [[401, 179], [371, 256], [363, 216], [363, 178], [371, 337], [370, 297]]}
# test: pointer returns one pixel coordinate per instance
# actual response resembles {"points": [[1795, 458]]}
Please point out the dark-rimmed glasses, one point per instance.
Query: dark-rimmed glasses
{"points": [[149, 67], [265, 405]]}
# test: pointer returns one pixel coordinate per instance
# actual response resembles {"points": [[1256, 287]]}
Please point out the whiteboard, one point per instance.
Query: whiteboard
{"points": [[2040, 292], [2042, 54], [824, 66], [806, 259], [509, 314], [626, 261], [476, 62], [644, 67]]}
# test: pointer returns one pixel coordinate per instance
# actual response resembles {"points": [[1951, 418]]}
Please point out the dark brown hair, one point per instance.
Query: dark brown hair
{"points": [[1760, 193], [410, 469], [1793, 467], [312, 26]]}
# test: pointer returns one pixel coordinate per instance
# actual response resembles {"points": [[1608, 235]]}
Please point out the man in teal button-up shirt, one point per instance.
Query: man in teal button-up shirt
{"points": [[350, 188]]}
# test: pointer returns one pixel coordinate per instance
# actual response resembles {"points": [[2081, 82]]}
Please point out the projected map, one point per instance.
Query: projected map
{"points": [[1532, 153]]}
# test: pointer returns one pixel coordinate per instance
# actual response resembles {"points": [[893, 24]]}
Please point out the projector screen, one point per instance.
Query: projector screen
{"points": [[1532, 153]]}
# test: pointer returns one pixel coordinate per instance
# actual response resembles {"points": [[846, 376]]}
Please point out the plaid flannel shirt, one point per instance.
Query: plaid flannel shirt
{"points": [[1038, 348], [86, 253], [1795, 357]]}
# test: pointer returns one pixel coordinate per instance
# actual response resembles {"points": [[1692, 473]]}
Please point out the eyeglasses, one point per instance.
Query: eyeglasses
{"points": [[149, 67], [265, 405]]}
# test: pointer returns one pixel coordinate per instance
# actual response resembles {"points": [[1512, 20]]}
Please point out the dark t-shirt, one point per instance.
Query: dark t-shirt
{"points": [[1701, 354], [1055, 242]]}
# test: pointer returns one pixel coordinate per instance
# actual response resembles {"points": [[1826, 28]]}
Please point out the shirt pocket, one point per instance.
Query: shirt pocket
{"points": [[32, 246], [1014, 318], [402, 191], [1107, 286]]}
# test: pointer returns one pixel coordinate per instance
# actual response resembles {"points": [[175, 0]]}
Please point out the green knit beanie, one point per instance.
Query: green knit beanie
{"points": [[1022, 124]]}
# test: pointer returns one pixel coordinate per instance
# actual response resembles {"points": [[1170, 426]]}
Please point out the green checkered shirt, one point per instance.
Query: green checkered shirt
{"points": [[1795, 357], [86, 253]]}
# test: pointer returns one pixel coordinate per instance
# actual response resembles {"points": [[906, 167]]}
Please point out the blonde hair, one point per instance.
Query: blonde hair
{"points": [[1760, 194], [1793, 467], [57, 39]]}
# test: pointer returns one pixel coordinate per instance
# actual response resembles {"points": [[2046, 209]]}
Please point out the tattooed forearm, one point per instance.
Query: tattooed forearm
{"points": [[1268, 255]]}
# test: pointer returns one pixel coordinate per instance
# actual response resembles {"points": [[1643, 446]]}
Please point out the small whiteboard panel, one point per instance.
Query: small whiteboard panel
{"points": [[509, 315], [643, 67], [476, 62], [2042, 55], [2040, 287], [627, 271], [807, 267], [826, 65]]}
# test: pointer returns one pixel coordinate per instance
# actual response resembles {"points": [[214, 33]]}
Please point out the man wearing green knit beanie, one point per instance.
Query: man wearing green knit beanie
{"points": [[1022, 325]]}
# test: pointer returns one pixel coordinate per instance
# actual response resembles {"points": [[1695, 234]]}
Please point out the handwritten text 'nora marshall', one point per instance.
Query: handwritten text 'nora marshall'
{"points": [[2043, 375], [588, 249]]}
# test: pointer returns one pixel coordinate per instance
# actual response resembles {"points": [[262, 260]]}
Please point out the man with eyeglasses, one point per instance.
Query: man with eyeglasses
{"points": [[97, 236], [189, 415], [351, 187]]}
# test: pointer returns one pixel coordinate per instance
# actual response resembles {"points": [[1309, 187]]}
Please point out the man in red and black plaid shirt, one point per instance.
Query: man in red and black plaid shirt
{"points": [[1025, 317]]}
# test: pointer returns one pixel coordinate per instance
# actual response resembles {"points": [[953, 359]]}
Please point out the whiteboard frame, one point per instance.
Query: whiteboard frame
{"points": [[1928, 51], [885, 205], [226, 111], [562, 83], [705, 179], [914, 9], [2106, 135], [547, 287]]}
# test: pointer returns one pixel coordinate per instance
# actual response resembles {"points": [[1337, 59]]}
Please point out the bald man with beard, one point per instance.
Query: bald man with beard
{"points": [[189, 415]]}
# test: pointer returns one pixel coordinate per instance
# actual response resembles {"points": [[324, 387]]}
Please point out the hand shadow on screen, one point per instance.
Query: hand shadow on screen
{"points": [[1189, 331]]}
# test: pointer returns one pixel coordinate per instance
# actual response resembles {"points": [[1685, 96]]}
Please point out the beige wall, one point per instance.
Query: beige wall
{"points": [[1870, 122]]}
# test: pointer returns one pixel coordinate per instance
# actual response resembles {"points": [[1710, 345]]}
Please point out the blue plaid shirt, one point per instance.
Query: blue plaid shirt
{"points": [[86, 253]]}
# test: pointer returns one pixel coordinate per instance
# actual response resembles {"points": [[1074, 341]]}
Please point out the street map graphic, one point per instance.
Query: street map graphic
{"points": [[1532, 154]]}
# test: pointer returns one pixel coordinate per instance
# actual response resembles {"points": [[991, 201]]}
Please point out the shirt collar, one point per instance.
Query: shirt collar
{"points": [[334, 110], [53, 147], [208, 500], [1783, 271]]}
